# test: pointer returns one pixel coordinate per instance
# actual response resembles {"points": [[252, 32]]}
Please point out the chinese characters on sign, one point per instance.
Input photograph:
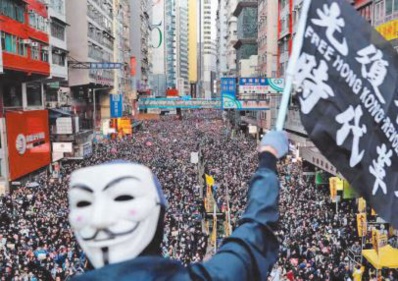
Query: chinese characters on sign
{"points": [[348, 102], [116, 104]]}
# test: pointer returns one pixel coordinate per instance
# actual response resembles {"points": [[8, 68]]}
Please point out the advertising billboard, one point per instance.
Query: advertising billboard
{"points": [[28, 141]]}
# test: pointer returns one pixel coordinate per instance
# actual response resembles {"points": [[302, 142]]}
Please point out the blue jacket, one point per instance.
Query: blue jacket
{"points": [[247, 254]]}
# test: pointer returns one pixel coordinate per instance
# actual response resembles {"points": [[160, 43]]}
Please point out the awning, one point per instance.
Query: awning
{"points": [[387, 257], [56, 113], [59, 20]]}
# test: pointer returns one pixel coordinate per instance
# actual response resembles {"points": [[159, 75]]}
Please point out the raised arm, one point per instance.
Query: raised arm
{"points": [[252, 249]]}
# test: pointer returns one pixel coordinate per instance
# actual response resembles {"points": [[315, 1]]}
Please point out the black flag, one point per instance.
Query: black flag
{"points": [[347, 82]]}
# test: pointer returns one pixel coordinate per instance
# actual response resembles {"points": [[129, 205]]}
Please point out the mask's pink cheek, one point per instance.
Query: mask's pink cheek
{"points": [[132, 212]]}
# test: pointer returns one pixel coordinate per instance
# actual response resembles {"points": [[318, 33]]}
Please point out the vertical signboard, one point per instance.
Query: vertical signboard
{"points": [[116, 104], [133, 66], [28, 142], [157, 35]]}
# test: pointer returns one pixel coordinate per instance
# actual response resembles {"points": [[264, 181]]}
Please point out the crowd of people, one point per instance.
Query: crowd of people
{"points": [[36, 242]]}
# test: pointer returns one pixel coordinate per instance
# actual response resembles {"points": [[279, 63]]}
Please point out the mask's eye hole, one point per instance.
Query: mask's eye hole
{"points": [[82, 204], [123, 198]]}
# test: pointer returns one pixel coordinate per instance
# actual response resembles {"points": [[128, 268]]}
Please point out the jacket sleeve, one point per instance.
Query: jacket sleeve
{"points": [[252, 249]]}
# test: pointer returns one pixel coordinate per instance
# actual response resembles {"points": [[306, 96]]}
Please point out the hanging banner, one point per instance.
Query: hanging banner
{"points": [[361, 205], [375, 240], [333, 188], [346, 78], [194, 157], [362, 224]]}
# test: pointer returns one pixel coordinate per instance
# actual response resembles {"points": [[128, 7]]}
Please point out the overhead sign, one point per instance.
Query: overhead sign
{"points": [[257, 85], [171, 103], [105, 65], [347, 76], [116, 104], [28, 141]]}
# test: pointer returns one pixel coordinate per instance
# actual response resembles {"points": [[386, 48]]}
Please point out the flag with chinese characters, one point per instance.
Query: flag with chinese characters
{"points": [[346, 78]]}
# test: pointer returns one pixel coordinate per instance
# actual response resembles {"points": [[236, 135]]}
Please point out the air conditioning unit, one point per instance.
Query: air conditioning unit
{"points": [[27, 41], [35, 44]]}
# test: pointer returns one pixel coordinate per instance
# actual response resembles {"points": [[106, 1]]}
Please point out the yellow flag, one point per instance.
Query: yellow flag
{"points": [[333, 188], [209, 180], [362, 224]]}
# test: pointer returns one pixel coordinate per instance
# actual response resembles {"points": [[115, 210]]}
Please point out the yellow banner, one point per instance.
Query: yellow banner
{"points": [[361, 205], [389, 30], [333, 188], [375, 240], [362, 224]]}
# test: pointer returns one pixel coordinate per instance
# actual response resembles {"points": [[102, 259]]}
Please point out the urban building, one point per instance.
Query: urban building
{"points": [[222, 34], [140, 27], [122, 78], [267, 38], [208, 47], [90, 39], [231, 38], [247, 29], [193, 46], [158, 73], [176, 38], [285, 34], [24, 64]]}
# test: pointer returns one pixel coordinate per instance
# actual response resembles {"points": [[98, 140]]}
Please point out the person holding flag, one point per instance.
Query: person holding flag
{"points": [[117, 211]]}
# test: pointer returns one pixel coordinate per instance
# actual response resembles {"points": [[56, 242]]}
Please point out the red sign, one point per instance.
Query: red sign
{"points": [[28, 141], [133, 66]]}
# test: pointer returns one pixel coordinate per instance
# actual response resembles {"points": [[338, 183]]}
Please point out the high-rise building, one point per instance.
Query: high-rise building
{"points": [[122, 84], [285, 34], [231, 38], [268, 38], [208, 64], [157, 47], [246, 45], [176, 38], [90, 39], [193, 45], [222, 34], [140, 26]]}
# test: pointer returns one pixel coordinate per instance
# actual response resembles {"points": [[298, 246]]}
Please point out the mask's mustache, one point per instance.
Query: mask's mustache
{"points": [[109, 233]]}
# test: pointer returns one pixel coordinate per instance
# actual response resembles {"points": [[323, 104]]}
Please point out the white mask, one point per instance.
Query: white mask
{"points": [[114, 210]]}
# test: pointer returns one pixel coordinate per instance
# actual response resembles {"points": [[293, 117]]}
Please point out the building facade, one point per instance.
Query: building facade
{"points": [[208, 63], [25, 63], [231, 38], [140, 26], [157, 47], [193, 46], [268, 38], [247, 29], [222, 34], [176, 41]]}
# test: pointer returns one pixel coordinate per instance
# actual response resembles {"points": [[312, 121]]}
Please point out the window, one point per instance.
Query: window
{"points": [[34, 94], [58, 59], [12, 10], [8, 43], [58, 30], [35, 51], [38, 22], [44, 54], [389, 7], [12, 95], [21, 47]]}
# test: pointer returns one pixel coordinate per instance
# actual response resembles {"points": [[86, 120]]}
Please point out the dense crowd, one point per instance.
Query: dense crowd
{"points": [[36, 242]]}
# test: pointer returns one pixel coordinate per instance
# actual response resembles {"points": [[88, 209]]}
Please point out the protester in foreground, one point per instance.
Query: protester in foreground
{"points": [[117, 212]]}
